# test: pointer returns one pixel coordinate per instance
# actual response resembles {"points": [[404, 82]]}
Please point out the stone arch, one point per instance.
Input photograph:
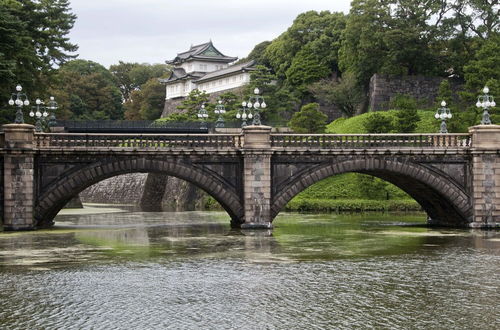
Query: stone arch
{"points": [[445, 202], [53, 199]]}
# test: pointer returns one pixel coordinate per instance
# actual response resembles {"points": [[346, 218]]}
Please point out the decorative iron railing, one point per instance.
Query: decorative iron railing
{"points": [[367, 141], [138, 141]]}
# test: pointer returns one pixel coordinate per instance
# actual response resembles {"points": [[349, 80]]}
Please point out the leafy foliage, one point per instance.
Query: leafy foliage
{"points": [[146, 103], [87, 90], [342, 93], [378, 123], [308, 120], [33, 42], [131, 76]]}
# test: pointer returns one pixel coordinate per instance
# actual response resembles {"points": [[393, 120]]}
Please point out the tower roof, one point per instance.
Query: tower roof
{"points": [[205, 51]]}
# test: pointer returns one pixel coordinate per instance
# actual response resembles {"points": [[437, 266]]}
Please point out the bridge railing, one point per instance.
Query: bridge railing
{"points": [[367, 141], [138, 141]]}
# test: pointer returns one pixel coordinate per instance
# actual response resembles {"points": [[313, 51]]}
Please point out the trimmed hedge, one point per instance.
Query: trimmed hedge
{"points": [[351, 205]]}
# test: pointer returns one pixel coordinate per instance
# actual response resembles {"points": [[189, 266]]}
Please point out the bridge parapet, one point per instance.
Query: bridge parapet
{"points": [[367, 141], [138, 141]]}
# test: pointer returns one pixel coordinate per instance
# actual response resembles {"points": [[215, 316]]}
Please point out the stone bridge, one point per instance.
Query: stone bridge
{"points": [[454, 177]]}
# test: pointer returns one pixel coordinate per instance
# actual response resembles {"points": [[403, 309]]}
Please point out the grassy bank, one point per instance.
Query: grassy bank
{"points": [[356, 125]]}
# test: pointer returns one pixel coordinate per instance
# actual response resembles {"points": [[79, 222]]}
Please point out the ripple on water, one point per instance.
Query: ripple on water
{"points": [[207, 277]]}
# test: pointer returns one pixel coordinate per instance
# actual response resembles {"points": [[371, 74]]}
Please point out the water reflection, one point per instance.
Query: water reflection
{"points": [[191, 270]]}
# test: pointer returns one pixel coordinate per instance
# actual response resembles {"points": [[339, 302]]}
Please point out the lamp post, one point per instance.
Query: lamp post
{"points": [[40, 116], [256, 102], [442, 114], [52, 107], [220, 109], [485, 101], [243, 115], [21, 99], [203, 115]]}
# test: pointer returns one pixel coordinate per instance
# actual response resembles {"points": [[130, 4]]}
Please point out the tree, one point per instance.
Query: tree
{"points": [[378, 123], [483, 70], [131, 76], [87, 90], [343, 93], [306, 68], [33, 42], [278, 99], [193, 102], [308, 120], [146, 103]]}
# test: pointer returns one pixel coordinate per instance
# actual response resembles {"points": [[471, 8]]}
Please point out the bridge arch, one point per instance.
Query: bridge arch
{"points": [[58, 193], [443, 199]]}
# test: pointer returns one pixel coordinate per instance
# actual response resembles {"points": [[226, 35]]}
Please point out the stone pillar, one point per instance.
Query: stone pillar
{"points": [[257, 177], [18, 177], [485, 176]]}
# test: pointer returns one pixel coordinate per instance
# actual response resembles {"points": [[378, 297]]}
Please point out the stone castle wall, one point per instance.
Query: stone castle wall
{"points": [[383, 88]]}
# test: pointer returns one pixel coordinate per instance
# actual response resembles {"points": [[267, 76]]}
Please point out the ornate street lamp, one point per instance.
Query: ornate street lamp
{"points": [[40, 116], [52, 107], [256, 102], [40, 112], [220, 110], [21, 99], [485, 101], [442, 114], [243, 115], [203, 115]]}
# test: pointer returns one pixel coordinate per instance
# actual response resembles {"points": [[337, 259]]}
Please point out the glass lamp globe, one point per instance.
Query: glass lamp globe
{"points": [[11, 102], [238, 115], [250, 116], [19, 88], [45, 114], [38, 102], [450, 115], [32, 114], [256, 105], [493, 104], [486, 90], [256, 91], [38, 114], [436, 115], [443, 103], [478, 104], [26, 102], [244, 116], [243, 104], [263, 105]]}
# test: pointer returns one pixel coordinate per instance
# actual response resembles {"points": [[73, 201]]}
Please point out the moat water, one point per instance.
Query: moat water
{"points": [[189, 270]]}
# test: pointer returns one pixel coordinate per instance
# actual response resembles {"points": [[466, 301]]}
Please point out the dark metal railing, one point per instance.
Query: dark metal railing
{"points": [[367, 141], [147, 126], [130, 126], [138, 141]]}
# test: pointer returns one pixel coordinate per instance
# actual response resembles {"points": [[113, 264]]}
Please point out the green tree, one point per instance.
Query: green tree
{"points": [[146, 103], [87, 90], [33, 42], [190, 106], [343, 93], [483, 70], [378, 123], [308, 120]]}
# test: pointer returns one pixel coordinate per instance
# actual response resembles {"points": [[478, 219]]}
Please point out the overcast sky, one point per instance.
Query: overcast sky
{"points": [[153, 31]]}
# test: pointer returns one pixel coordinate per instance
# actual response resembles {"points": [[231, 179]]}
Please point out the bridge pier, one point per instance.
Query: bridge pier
{"points": [[485, 176], [18, 177], [257, 177]]}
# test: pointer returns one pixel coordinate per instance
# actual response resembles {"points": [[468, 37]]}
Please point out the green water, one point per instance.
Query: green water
{"points": [[104, 267]]}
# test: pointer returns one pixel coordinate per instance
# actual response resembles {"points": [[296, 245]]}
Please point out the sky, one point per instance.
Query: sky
{"points": [[152, 31]]}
